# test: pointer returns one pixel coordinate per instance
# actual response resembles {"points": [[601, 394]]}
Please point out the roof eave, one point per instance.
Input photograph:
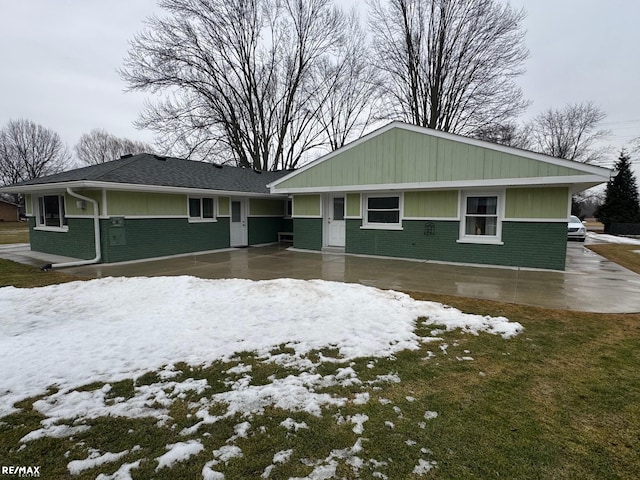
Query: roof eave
{"points": [[92, 184], [574, 181]]}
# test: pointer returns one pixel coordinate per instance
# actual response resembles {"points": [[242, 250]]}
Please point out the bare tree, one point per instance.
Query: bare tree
{"points": [[99, 146], [350, 93], [571, 133], [450, 64], [29, 150], [240, 76], [510, 134]]}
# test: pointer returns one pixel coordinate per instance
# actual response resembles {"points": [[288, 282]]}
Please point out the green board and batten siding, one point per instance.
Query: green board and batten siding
{"points": [[432, 204], [537, 202], [419, 158], [306, 205]]}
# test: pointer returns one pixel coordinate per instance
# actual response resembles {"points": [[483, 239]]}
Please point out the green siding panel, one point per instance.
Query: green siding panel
{"points": [[77, 242], [265, 229], [157, 237], [526, 244], [353, 205], [403, 156], [307, 233], [537, 203], [266, 207], [223, 206], [431, 204], [146, 204], [71, 203], [306, 205]]}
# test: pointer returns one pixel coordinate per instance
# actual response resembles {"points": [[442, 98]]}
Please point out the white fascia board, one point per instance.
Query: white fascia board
{"points": [[590, 180], [132, 187], [588, 169]]}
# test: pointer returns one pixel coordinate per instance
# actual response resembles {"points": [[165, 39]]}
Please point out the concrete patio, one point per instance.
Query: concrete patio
{"points": [[590, 282]]}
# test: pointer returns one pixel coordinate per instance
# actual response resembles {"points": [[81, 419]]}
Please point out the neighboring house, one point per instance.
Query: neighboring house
{"points": [[401, 191], [151, 206], [9, 212], [411, 192]]}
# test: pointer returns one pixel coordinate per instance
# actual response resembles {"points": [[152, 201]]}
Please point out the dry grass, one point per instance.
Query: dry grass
{"points": [[14, 232], [624, 255]]}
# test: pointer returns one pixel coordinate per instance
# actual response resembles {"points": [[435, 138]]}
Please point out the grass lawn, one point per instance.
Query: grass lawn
{"points": [[559, 401], [14, 232], [625, 255]]}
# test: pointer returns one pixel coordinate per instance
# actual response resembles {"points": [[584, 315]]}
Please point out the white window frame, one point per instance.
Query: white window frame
{"points": [[62, 216], [484, 239], [377, 225], [201, 218], [288, 208]]}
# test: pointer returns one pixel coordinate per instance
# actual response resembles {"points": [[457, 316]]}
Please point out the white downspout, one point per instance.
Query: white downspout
{"points": [[96, 230]]}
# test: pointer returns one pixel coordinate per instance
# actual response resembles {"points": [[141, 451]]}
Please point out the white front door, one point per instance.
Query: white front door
{"points": [[334, 221], [239, 232]]}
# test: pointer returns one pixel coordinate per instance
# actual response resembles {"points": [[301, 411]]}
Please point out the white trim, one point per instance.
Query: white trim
{"points": [[481, 240], [432, 219], [381, 226], [134, 187], [202, 220], [591, 169], [463, 236], [307, 216], [105, 210], [364, 200], [534, 220], [42, 228], [591, 180], [150, 217], [349, 217], [80, 216]]}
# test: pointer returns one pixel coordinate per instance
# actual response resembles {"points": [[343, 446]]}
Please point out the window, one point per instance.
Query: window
{"points": [[338, 208], [288, 208], [51, 212], [383, 210], [201, 208], [481, 219]]}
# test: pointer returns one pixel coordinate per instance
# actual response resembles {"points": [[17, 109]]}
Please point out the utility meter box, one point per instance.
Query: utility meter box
{"points": [[117, 222], [117, 235]]}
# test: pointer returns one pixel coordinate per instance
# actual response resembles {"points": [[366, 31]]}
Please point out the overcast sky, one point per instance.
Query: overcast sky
{"points": [[59, 61]]}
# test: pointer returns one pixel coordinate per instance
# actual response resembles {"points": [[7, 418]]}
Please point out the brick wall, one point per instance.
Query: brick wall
{"points": [[264, 229], [8, 212], [307, 233], [530, 244], [78, 242], [158, 237]]}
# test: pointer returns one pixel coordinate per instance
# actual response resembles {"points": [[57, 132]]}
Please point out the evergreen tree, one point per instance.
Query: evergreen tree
{"points": [[621, 198]]}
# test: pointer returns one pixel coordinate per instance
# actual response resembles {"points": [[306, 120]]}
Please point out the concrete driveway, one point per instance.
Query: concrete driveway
{"points": [[590, 283]]}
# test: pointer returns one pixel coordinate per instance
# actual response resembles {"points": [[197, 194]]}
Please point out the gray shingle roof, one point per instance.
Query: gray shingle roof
{"points": [[146, 169]]}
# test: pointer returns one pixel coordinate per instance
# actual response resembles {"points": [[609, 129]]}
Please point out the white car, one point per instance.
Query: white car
{"points": [[577, 230]]}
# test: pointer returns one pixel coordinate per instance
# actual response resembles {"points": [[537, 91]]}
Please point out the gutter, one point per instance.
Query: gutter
{"points": [[96, 230]]}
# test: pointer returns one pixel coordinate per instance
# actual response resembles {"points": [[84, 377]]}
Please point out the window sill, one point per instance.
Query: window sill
{"points": [[381, 227], [483, 241], [43, 228], [203, 220]]}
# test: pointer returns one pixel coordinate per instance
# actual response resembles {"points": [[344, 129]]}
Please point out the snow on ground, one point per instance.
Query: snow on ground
{"points": [[107, 330], [602, 237], [116, 328]]}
